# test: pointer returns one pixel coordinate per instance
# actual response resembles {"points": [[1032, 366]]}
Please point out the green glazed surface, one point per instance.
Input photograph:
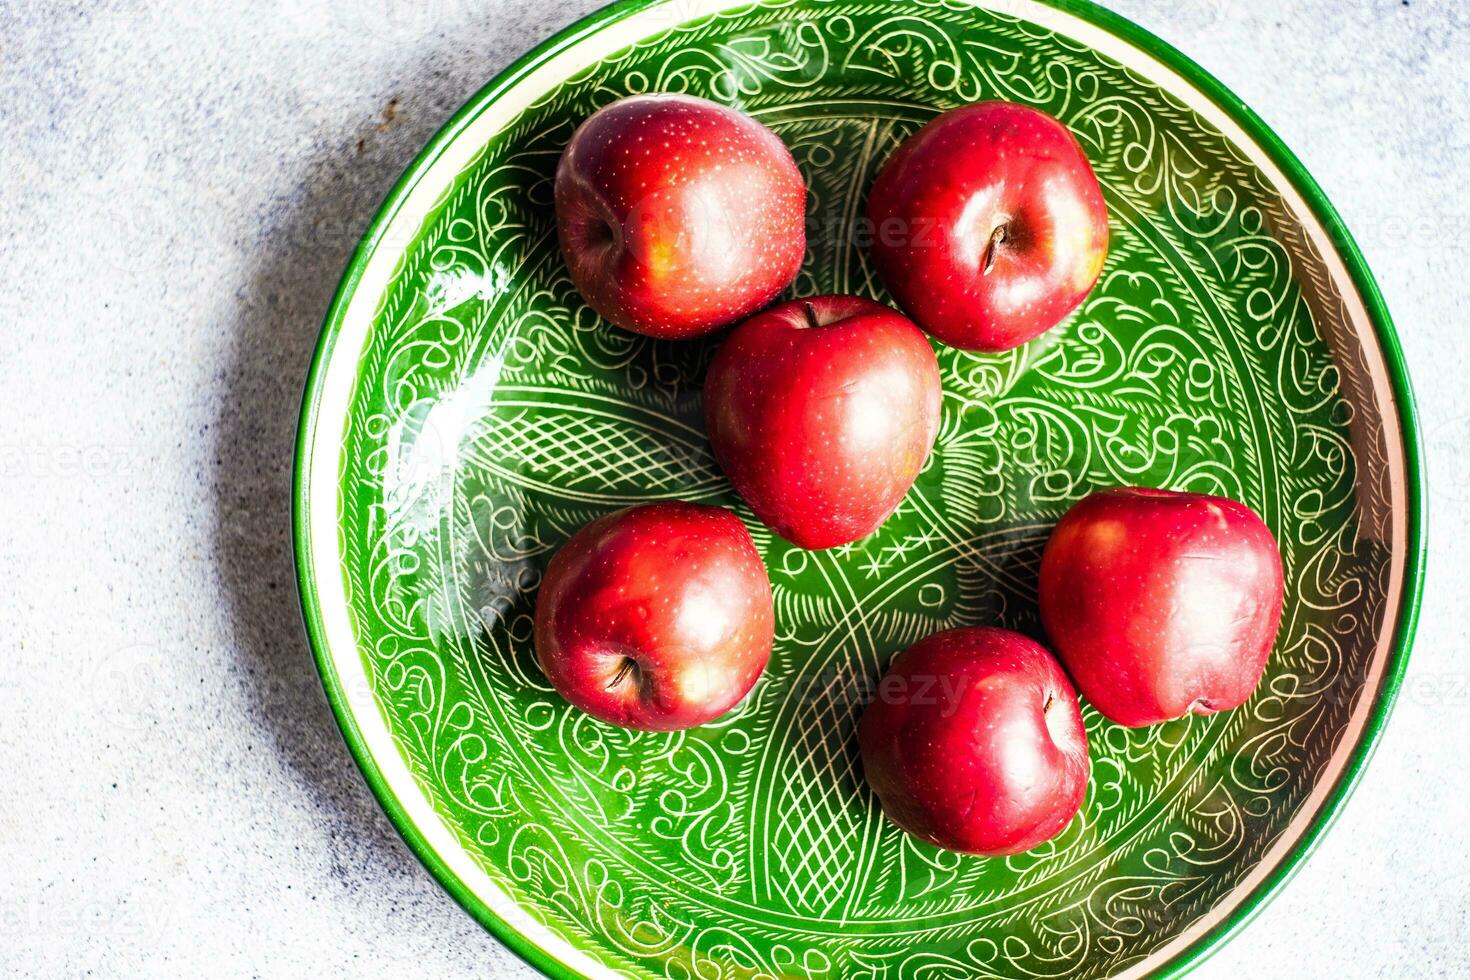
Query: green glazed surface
{"points": [[492, 414]]}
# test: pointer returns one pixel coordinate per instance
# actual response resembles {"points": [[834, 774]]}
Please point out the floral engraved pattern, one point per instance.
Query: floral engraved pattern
{"points": [[493, 414]]}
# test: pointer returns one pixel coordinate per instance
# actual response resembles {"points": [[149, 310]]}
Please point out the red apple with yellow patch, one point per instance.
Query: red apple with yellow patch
{"points": [[974, 742], [658, 617], [678, 216], [822, 412], [989, 225], [1162, 604]]}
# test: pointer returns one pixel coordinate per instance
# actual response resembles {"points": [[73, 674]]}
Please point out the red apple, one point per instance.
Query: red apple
{"points": [[974, 742], [658, 617], [1161, 604], [822, 412], [678, 216], [989, 225]]}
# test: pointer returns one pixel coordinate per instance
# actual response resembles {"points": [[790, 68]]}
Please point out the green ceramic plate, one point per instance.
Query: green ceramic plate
{"points": [[466, 413]]}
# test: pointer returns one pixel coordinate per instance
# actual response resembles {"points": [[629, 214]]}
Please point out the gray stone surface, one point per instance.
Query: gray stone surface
{"points": [[180, 188]]}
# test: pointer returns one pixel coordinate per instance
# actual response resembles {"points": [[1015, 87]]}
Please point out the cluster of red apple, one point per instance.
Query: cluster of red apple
{"points": [[678, 217]]}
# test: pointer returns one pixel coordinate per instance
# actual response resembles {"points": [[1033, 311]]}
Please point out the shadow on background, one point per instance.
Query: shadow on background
{"points": [[305, 239], [281, 309]]}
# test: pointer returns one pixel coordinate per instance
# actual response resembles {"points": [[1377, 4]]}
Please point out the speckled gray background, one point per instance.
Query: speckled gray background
{"points": [[179, 191]]}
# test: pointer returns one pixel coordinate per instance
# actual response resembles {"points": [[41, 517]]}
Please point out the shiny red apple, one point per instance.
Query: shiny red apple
{"points": [[822, 412], [974, 742], [658, 617], [989, 225], [1161, 604], [678, 216]]}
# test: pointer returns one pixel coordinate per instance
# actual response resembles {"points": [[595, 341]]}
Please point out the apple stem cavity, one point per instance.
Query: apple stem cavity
{"points": [[811, 316], [1057, 722], [603, 234], [992, 249]]}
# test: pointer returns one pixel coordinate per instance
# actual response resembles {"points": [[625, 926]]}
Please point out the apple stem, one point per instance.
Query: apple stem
{"points": [[811, 316], [997, 238], [628, 665]]}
